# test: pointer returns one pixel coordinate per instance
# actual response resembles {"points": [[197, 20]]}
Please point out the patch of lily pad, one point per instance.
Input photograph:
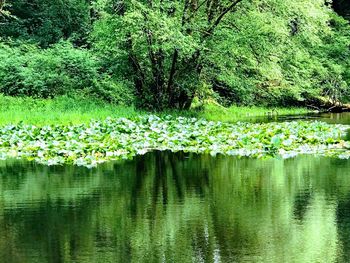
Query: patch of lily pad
{"points": [[115, 139]]}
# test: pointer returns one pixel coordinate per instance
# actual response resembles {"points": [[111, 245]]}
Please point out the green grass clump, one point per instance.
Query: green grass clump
{"points": [[61, 110]]}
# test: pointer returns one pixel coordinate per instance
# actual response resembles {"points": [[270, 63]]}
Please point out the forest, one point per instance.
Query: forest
{"points": [[170, 55]]}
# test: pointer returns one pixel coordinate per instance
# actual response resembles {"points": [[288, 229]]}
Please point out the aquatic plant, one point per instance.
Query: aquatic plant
{"points": [[114, 139]]}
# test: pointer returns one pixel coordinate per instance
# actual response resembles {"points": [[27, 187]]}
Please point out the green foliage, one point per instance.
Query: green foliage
{"points": [[114, 139], [48, 21], [293, 53], [160, 45], [170, 53], [267, 52], [4, 13], [26, 70]]}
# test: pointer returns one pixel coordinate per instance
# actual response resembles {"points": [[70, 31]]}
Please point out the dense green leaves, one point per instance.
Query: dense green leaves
{"points": [[282, 53], [267, 51], [26, 70], [47, 21], [115, 139], [168, 53], [160, 45]]}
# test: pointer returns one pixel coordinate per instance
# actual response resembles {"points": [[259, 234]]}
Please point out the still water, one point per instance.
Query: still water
{"points": [[165, 207], [332, 118]]}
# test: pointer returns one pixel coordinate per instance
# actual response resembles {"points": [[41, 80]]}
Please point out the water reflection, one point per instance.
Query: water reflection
{"points": [[166, 207], [332, 118]]}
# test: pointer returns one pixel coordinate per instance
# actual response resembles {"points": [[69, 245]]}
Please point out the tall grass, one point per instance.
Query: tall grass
{"points": [[61, 110], [76, 110]]}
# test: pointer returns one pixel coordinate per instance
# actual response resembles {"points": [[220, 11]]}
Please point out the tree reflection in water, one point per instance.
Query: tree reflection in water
{"points": [[165, 207]]}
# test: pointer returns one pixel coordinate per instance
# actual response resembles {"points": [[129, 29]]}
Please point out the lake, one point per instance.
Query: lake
{"points": [[177, 207]]}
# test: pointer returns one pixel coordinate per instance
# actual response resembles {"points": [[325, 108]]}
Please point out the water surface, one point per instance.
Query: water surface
{"points": [[165, 207], [332, 118]]}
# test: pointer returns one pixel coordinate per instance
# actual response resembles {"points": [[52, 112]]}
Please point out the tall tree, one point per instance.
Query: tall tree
{"points": [[164, 44]]}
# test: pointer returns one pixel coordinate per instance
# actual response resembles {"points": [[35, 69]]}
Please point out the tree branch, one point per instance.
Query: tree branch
{"points": [[176, 55], [173, 69], [221, 16]]}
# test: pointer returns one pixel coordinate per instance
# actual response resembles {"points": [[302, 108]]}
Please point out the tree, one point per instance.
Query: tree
{"points": [[281, 52], [161, 44]]}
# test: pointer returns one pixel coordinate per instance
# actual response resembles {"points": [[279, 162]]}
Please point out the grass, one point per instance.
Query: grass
{"points": [[67, 110], [236, 113], [62, 110]]}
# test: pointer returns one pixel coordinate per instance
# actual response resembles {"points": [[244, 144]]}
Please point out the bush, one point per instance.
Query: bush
{"points": [[26, 70]]}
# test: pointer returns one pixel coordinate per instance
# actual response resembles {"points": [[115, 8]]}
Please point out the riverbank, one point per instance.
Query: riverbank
{"points": [[66, 110]]}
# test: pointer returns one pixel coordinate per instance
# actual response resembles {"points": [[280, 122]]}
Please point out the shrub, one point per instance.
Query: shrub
{"points": [[26, 70]]}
